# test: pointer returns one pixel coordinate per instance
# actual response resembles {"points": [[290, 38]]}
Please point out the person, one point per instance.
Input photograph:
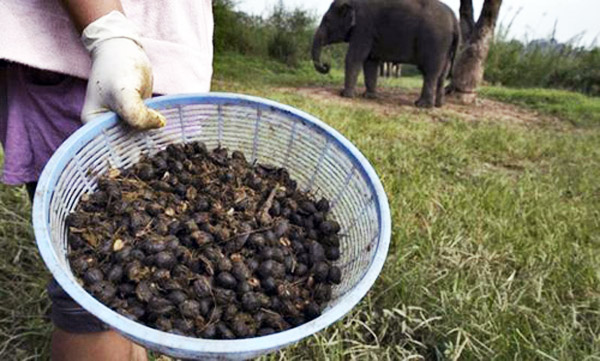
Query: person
{"points": [[63, 62]]}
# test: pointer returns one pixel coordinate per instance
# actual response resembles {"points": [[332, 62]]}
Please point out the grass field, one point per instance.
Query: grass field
{"points": [[495, 250]]}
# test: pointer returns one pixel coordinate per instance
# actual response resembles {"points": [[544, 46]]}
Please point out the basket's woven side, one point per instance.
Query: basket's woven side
{"points": [[202, 123], [66, 194], [322, 161], [238, 128], [319, 164], [354, 208], [273, 140]]}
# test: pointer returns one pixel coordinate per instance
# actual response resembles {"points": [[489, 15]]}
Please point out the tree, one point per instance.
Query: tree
{"points": [[469, 65]]}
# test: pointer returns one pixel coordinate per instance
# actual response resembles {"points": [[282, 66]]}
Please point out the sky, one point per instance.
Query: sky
{"points": [[574, 20]]}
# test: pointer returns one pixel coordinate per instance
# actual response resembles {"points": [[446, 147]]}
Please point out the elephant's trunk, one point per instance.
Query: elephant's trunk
{"points": [[318, 43]]}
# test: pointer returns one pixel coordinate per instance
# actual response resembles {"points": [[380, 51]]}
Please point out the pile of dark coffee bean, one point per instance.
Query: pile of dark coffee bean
{"points": [[205, 244]]}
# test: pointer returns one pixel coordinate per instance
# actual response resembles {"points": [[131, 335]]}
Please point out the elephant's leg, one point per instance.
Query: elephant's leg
{"points": [[370, 70], [441, 91], [357, 53], [430, 80], [352, 71]]}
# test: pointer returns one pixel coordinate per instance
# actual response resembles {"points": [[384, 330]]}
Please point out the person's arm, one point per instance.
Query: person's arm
{"points": [[121, 74], [84, 12]]}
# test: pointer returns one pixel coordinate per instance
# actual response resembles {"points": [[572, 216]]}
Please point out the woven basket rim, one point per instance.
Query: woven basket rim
{"points": [[189, 346]]}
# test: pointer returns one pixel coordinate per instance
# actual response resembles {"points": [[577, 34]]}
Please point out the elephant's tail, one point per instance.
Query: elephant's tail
{"points": [[456, 40]]}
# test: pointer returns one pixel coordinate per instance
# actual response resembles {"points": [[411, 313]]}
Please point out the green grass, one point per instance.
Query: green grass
{"points": [[496, 233], [24, 328], [579, 109]]}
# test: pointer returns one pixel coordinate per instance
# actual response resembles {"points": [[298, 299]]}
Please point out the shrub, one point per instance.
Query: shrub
{"points": [[292, 35], [544, 64], [236, 31]]}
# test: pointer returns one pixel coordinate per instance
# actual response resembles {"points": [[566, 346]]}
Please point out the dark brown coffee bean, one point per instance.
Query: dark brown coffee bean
{"points": [[137, 254], [143, 291], [243, 287], [270, 268], [123, 254], [332, 253], [209, 332], [165, 259], [265, 331], [266, 253], [240, 271], [205, 306], [177, 296], [184, 325], [335, 275], [153, 209], [322, 292], [224, 265], [190, 226], [229, 312], [226, 280], [159, 305], [224, 332], [256, 241], [103, 291], [115, 274], [190, 308], [202, 238], [281, 228], [323, 205], [268, 284], [275, 209], [80, 264], [304, 258], [300, 270], [307, 207], [154, 246], [312, 310], [250, 302], [332, 241], [224, 296], [202, 287], [318, 218], [270, 237], [163, 324], [277, 254], [329, 227], [252, 264], [298, 247], [93, 275], [126, 289], [320, 271]]}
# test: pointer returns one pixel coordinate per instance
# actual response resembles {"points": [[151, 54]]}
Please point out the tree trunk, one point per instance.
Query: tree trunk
{"points": [[467, 20], [468, 70]]}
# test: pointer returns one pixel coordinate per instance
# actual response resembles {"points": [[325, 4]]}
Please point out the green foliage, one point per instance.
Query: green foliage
{"points": [[237, 31], [561, 66], [285, 35], [292, 35]]}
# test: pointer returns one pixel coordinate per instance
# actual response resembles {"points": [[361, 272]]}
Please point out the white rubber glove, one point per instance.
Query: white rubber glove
{"points": [[121, 73]]}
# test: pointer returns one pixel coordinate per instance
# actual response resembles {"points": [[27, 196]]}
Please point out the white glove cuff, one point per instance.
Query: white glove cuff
{"points": [[112, 25]]}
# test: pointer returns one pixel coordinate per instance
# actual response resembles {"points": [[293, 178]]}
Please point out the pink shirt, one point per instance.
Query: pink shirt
{"points": [[176, 34]]}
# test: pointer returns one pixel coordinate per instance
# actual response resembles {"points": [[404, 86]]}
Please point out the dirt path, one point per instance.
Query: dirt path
{"points": [[391, 102]]}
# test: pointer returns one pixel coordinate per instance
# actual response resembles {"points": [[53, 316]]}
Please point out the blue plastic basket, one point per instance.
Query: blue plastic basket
{"points": [[317, 156]]}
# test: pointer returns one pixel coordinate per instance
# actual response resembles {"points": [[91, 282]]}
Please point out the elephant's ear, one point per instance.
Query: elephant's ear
{"points": [[348, 13]]}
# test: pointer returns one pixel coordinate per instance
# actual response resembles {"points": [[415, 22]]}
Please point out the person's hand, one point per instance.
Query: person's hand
{"points": [[121, 74]]}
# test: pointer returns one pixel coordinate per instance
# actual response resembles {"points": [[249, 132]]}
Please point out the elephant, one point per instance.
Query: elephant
{"points": [[425, 33], [389, 69]]}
